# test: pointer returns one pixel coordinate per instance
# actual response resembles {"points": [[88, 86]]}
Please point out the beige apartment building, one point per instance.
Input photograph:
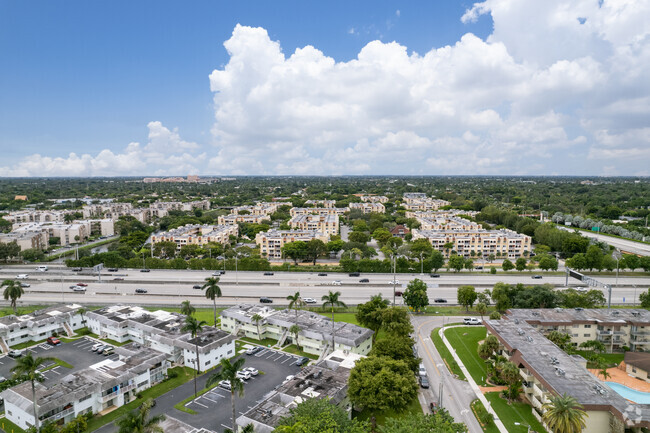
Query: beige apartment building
{"points": [[195, 234], [368, 207], [373, 198], [233, 219], [261, 208], [328, 224], [318, 211], [418, 201], [451, 223], [272, 241], [68, 233], [321, 203], [37, 216], [500, 243], [26, 240]]}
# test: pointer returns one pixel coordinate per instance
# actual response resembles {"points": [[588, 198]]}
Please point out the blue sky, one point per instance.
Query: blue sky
{"points": [[84, 77]]}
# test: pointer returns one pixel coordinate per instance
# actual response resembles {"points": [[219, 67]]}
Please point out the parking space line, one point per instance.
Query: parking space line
{"points": [[202, 405], [209, 399]]}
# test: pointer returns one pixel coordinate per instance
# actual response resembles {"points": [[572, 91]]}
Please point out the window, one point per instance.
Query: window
{"points": [[85, 398], [587, 326], [587, 335], [207, 362]]}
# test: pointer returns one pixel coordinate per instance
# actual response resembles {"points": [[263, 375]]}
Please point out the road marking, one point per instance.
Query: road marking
{"points": [[427, 350], [196, 402], [209, 399]]}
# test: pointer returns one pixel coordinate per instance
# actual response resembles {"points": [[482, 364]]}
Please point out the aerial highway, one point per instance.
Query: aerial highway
{"points": [[639, 248]]}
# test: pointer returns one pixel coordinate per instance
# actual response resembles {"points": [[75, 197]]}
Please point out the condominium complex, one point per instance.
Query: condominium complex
{"points": [[234, 219], [328, 224], [37, 216], [327, 379], [321, 203], [318, 211], [418, 201], [315, 334], [548, 371], [261, 208], [500, 243], [368, 207], [143, 214], [196, 234], [272, 241], [431, 221], [27, 239], [373, 198]]}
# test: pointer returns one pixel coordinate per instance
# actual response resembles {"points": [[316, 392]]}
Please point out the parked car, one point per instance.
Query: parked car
{"points": [[242, 374], [364, 280], [254, 350], [435, 275], [253, 371], [79, 289], [288, 378], [336, 283], [424, 382], [82, 284], [15, 353], [145, 270], [109, 351], [112, 269], [471, 321], [22, 276], [322, 274], [268, 273], [197, 287], [354, 274], [225, 384], [302, 361], [309, 300], [265, 300], [140, 290], [25, 285], [537, 277], [96, 346], [422, 371], [440, 300], [3, 379], [101, 348], [53, 341], [77, 269]]}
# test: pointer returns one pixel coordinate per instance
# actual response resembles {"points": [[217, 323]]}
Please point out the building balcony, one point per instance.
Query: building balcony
{"points": [[107, 397], [641, 333], [526, 376], [603, 332], [59, 415]]}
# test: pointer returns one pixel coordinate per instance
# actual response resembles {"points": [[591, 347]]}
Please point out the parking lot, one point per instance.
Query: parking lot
{"points": [[77, 353]]}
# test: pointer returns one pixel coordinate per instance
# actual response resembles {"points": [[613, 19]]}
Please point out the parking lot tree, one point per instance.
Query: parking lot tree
{"points": [[438, 422], [466, 296], [397, 348], [334, 246], [228, 371], [29, 367], [194, 327], [395, 321], [212, 292], [456, 262], [12, 292], [257, 319], [140, 421], [381, 235], [332, 301], [317, 416], [520, 264], [369, 314], [295, 302], [314, 249], [381, 383], [187, 308], [507, 265], [295, 250], [415, 295]]}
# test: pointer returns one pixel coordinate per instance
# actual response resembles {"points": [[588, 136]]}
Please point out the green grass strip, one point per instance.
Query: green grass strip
{"points": [[446, 355]]}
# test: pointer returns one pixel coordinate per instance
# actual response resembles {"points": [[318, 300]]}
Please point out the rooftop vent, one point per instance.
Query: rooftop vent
{"points": [[517, 321], [529, 338], [520, 331], [579, 308]]}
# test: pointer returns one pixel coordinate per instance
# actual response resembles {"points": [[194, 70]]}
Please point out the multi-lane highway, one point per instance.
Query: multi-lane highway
{"points": [[171, 286], [626, 245]]}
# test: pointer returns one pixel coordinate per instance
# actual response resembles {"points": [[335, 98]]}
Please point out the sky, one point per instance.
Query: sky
{"points": [[435, 87]]}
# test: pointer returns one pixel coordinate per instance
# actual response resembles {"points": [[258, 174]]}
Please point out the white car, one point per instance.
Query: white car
{"points": [[243, 374], [309, 300], [336, 282], [79, 289], [471, 321], [225, 384], [393, 282], [96, 346], [582, 289], [22, 276], [252, 371], [288, 378], [422, 371]]}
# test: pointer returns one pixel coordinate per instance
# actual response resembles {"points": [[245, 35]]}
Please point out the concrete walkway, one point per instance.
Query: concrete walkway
{"points": [[477, 390]]}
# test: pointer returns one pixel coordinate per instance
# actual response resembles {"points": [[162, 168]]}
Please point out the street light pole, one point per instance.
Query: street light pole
{"points": [[394, 282], [236, 277], [421, 265]]}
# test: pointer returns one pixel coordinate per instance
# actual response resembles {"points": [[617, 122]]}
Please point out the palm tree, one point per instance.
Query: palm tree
{"points": [[212, 292], [13, 291], [28, 367], [249, 428], [295, 302], [194, 327], [229, 372], [257, 319], [187, 309], [564, 414], [138, 421], [332, 299], [295, 329]]}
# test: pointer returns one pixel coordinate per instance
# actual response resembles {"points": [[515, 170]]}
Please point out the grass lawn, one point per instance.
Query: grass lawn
{"points": [[514, 412], [465, 341], [24, 309], [184, 375], [293, 349], [413, 408], [446, 355], [264, 342], [57, 362], [612, 359], [10, 427], [26, 344], [491, 428]]}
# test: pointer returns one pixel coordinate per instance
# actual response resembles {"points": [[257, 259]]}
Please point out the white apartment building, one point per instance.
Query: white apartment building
{"points": [[105, 385], [115, 210], [234, 219], [318, 211], [195, 234], [368, 207], [328, 224], [450, 223], [182, 206], [37, 216], [315, 334], [321, 203], [161, 330], [272, 241], [374, 198], [39, 239], [261, 208], [417, 201], [500, 243], [68, 233]]}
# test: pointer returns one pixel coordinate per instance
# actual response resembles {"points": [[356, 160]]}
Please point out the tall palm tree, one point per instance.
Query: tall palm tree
{"points": [[295, 329], [12, 291], [228, 372], [212, 292], [138, 421], [257, 319], [186, 308], [295, 302], [249, 428], [564, 414], [332, 300], [194, 327], [28, 366]]}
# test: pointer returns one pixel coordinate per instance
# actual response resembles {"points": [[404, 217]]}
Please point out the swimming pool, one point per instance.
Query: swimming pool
{"points": [[629, 393]]}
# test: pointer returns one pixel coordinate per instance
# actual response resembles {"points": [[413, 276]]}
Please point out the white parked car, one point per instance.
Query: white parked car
{"points": [[96, 346], [225, 384], [22, 276], [243, 374], [422, 371], [253, 371], [471, 321], [309, 300], [336, 283], [288, 378]]}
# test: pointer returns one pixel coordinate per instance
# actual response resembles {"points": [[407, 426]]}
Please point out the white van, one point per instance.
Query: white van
{"points": [[41, 268]]}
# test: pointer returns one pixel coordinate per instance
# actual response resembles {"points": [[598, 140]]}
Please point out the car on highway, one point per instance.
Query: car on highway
{"points": [[471, 321], [218, 273], [424, 382], [77, 269], [398, 293], [73, 287], [440, 300], [265, 300], [243, 374], [53, 341], [22, 276], [82, 284], [393, 282], [118, 279], [41, 268], [225, 384], [309, 300], [15, 353], [435, 275], [581, 289], [254, 350], [354, 274], [197, 287], [536, 277], [364, 280], [79, 289], [140, 290], [112, 269], [322, 274], [145, 270], [268, 273], [422, 371], [25, 285], [253, 371], [336, 282], [302, 361]]}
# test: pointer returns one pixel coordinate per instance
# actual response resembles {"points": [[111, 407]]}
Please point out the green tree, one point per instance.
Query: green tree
{"points": [[440, 422], [139, 421], [398, 348], [369, 314], [563, 414], [507, 265], [9, 250], [415, 295], [594, 257], [481, 309], [495, 315], [314, 249], [379, 384], [466, 296], [359, 237], [644, 297], [212, 292], [186, 308], [594, 346], [257, 319], [228, 372], [295, 250], [319, 416], [488, 347], [295, 330], [395, 321], [421, 247], [520, 264], [547, 263], [561, 339], [457, 263], [436, 260], [295, 302], [334, 246], [194, 327], [29, 367], [332, 300], [12, 291], [382, 236]]}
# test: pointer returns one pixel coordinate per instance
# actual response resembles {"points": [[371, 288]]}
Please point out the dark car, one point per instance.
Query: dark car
{"points": [[77, 269], [112, 269], [355, 274], [197, 287], [268, 273], [118, 279], [424, 381], [145, 270], [537, 277], [440, 300], [302, 361], [322, 274], [435, 275], [265, 300], [140, 290], [398, 293], [364, 280], [82, 284]]}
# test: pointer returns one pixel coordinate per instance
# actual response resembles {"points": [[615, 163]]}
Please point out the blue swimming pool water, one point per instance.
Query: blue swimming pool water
{"points": [[629, 393]]}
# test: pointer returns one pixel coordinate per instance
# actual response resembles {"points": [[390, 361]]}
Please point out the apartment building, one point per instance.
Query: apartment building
{"points": [[196, 234], [108, 210], [615, 328], [500, 243], [327, 379], [450, 223], [161, 330], [548, 371], [418, 201], [328, 224], [38, 239], [182, 206], [321, 203], [315, 334], [234, 219], [261, 208], [40, 324], [637, 365], [101, 387], [272, 241], [373, 198], [318, 211], [37, 216], [449, 213], [368, 207], [68, 233]]}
